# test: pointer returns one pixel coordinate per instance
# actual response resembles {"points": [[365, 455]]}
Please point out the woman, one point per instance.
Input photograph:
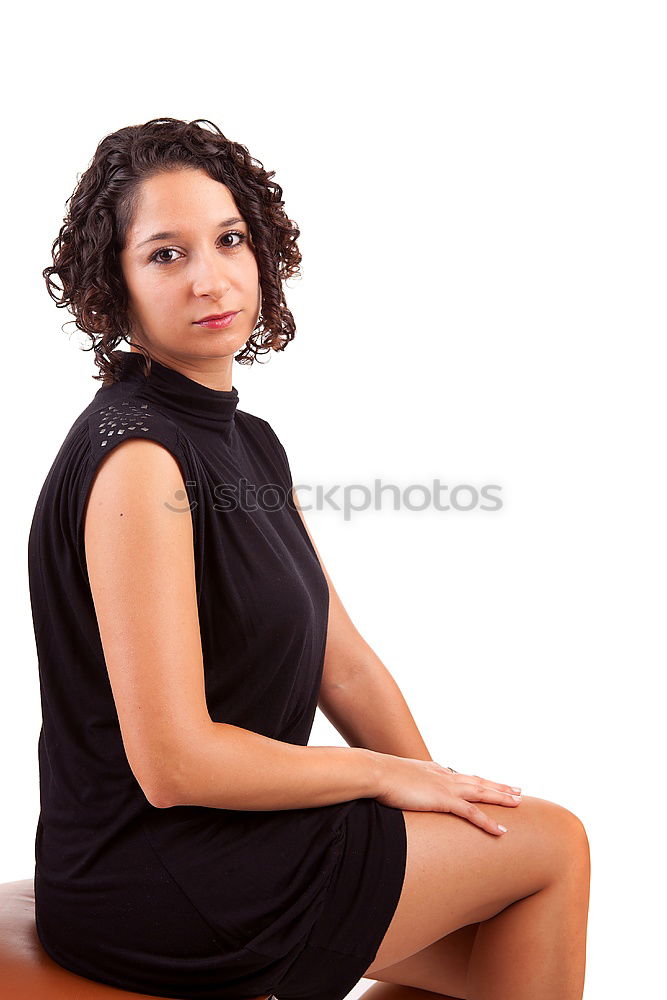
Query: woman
{"points": [[190, 843]]}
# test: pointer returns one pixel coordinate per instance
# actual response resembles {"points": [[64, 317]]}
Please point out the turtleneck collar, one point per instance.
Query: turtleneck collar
{"points": [[212, 409]]}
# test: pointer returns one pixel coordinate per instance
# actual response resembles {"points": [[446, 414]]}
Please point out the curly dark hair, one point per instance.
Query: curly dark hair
{"points": [[86, 253]]}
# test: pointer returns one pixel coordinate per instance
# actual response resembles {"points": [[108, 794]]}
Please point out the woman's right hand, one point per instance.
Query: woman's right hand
{"points": [[424, 786]]}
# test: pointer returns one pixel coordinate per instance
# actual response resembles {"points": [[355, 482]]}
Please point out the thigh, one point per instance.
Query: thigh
{"points": [[458, 874]]}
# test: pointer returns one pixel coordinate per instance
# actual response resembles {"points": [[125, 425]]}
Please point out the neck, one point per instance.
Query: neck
{"points": [[219, 381], [194, 403]]}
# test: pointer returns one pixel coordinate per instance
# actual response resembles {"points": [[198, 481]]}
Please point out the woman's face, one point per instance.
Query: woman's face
{"points": [[187, 255]]}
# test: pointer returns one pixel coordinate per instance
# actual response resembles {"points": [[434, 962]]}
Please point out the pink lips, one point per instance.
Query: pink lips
{"points": [[218, 322]]}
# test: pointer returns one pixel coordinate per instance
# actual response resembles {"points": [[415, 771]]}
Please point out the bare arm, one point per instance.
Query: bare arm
{"points": [[388, 728], [234, 768], [140, 561]]}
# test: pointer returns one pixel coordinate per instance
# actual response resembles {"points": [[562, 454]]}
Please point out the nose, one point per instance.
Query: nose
{"points": [[209, 276]]}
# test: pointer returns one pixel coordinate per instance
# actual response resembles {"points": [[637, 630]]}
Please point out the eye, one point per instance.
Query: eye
{"points": [[154, 257], [233, 232]]}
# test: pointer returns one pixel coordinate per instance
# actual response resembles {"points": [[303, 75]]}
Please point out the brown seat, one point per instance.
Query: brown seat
{"points": [[27, 972]]}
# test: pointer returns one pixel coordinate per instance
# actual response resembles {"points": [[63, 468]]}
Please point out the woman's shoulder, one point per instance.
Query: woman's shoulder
{"points": [[112, 416], [119, 415]]}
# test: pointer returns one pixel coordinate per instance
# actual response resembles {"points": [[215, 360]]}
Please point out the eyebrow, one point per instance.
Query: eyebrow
{"points": [[174, 235]]}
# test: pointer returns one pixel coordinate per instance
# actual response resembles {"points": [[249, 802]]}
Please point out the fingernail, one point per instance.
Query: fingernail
{"points": [[517, 798], [503, 828], [516, 789]]}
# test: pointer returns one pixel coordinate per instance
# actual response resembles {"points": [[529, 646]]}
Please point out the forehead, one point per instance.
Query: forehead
{"points": [[181, 199]]}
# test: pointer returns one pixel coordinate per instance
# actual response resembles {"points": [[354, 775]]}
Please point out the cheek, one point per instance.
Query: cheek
{"points": [[162, 292], [248, 270], [154, 300], [143, 285]]}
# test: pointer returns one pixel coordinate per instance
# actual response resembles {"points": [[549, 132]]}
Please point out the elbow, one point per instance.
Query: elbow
{"points": [[159, 802], [157, 795], [159, 791], [167, 770]]}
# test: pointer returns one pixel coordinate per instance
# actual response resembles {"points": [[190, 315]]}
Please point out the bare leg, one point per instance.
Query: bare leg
{"points": [[536, 947], [512, 913], [439, 970]]}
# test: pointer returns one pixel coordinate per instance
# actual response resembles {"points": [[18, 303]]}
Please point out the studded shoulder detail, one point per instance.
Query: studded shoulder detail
{"points": [[128, 416]]}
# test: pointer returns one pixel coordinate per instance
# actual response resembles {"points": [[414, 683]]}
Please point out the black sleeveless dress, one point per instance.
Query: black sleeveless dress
{"points": [[191, 901]]}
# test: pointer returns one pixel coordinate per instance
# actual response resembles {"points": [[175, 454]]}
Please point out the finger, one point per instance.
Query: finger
{"points": [[469, 811], [496, 784], [484, 793]]}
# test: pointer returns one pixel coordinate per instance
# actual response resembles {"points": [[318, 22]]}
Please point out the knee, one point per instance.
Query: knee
{"points": [[561, 833], [576, 831], [581, 848], [572, 838]]}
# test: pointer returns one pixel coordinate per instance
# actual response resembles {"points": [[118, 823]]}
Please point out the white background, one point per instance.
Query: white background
{"points": [[480, 189]]}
